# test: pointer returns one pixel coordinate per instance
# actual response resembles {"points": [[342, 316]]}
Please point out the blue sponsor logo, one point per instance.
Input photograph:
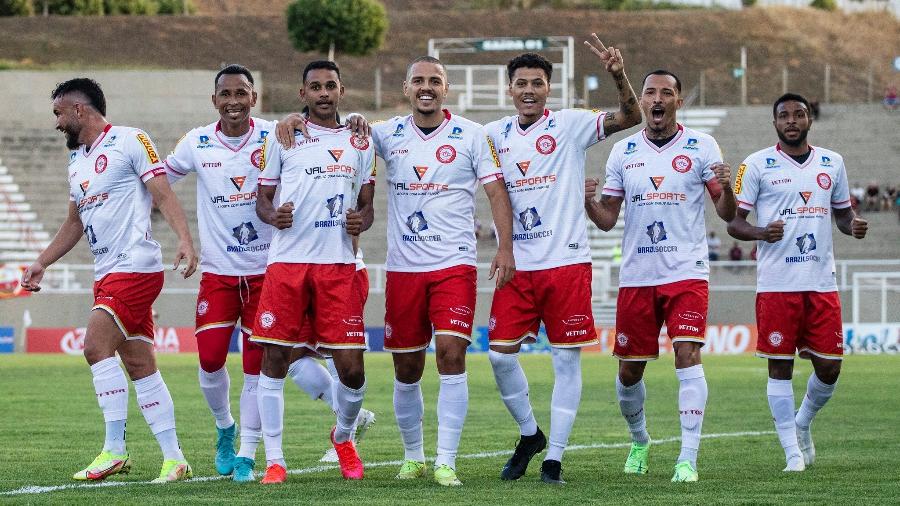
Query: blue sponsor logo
{"points": [[110, 142], [630, 148], [416, 222], [506, 130], [456, 133], [770, 163], [7, 340], [657, 232], [529, 218], [244, 233], [399, 131], [204, 142], [691, 144], [826, 161]]}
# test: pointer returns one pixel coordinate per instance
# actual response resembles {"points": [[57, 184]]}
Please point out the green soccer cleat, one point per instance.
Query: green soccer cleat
{"points": [[636, 463], [445, 476], [106, 464], [411, 469], [684, 472], [225, 450], [174, 470], [243, 469]]}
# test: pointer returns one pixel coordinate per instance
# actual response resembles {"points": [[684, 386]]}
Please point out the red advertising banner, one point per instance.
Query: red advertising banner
{"points": [[71, 340]]}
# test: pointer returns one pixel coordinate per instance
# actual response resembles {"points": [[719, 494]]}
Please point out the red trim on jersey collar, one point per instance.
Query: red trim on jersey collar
{"points": [[430, 136], [242, 144], [788, 157], [86, 153], [667, 145], [533, 125]]}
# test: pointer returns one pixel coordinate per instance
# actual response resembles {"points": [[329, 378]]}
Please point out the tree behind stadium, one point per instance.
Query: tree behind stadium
{"points": [[354, 27]]}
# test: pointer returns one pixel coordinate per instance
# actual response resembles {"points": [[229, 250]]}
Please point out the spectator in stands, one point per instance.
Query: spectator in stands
{"points": [[872, 194], [478, 229], [891, 102], [857, 194], [888, 198], [714, 244], [736, 254]]}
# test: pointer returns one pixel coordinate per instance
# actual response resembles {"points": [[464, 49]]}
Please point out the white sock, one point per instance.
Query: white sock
{"points": [[251, 428], [215, 387], [335, 379], [565, 400], [817, 394], [781, 403], [692, 393], [631, 404], [308, 374], [159, 411], [111, 388], [270, 398], [349, 401], [452, 406], [409, 408], [513, 387]]}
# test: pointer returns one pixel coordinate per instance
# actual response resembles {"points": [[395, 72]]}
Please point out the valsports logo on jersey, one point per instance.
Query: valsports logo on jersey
{"points": [[775, 339], [420, 171], [682, 163], [244, 233], [523, 166], [267, 319], [806, 243], [416, 222], [238, 181], [84, 186], [824, 181], [148, 147], [805, 196], [445, 153], [529, 218], [657, 232], [360, 143], [336, 154], [657, 181], [545, 144], [202, 307], [335, 205]]}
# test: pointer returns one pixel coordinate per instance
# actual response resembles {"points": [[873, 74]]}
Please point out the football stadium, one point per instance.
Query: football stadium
{"points": [[324, 252]]}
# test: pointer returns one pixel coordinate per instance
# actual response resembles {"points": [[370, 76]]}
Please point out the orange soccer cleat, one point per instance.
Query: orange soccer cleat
{"points": [[275, 473], [351, 465]]}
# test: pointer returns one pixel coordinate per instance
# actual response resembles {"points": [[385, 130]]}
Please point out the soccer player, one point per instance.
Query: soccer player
{"points": [[434, 162], [311, 265], [662, 171], [794, 189], [542, 153], [112, 177], [226, 155]]}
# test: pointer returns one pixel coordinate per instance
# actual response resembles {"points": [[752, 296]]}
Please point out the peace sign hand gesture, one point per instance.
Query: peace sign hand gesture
{"points": [[609, 56]]}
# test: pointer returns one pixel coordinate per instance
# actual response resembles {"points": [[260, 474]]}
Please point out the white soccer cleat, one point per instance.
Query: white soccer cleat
{"points": [[807, 448], [364, 420], [795, 464]]}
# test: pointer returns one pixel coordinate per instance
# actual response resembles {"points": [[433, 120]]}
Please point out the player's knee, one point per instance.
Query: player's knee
{"points": [[353, 376], [138, 367], [687, 354], [94, 354], [451, 361], [630, 373], [211, 363], [275, 360], [829, 372]]}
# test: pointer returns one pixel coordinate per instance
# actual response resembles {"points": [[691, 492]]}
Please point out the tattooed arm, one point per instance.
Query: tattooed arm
{"points": [[629, 114]]}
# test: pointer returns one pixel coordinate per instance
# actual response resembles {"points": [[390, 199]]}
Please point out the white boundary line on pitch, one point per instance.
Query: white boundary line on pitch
{"points": [[34, 489]]}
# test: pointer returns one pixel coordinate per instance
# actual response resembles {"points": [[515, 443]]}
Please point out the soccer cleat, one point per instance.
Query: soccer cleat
{"points": [[636, 463], [275, 473], [526, 449], [685, 472], [243, 469], [410, 470], [551, 472], [807, 448], [106, 464], [364, 420], [445, 476], [225, 450], [174, 470], [351, 465], [795, 464]]}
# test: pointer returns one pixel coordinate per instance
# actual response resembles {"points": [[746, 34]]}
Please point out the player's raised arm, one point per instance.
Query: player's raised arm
{"points": [[173, 213], [65, 239], [629, 114]]}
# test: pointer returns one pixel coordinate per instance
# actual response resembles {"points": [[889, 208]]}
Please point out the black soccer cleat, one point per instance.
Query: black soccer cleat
{"points": [[551, 472], [526, 449]]}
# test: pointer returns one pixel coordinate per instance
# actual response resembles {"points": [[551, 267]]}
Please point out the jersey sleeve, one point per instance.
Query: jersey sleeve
{"points": [[270, 162], [143, 155], [712, 156], [485, 158], [840, 196], [746, 185], [586, 126], [180, 161], [378, 135], [614, 185]]}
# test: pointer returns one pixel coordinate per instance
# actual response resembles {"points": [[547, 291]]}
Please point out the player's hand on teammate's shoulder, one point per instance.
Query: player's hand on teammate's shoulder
{"points": [[31, 278], [503, 267], [858, 227], [358, 124], [286, 128], [186, 252], [590, 189], [284, 216], [354, 222], [723, 174], [773, 232], [610, 57]]}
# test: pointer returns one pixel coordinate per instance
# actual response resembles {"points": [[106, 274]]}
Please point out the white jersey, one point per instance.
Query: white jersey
{"points": [[360, 265], [431, 190], [106, 183], [774, 185], [663, 187], [544, 171], [322, 176], [233, 240]]}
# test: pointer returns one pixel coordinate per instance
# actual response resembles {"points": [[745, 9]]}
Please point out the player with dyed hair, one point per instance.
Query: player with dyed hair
{"points": [[661, 174], [542, 154], [112, 178], [794, 188]]}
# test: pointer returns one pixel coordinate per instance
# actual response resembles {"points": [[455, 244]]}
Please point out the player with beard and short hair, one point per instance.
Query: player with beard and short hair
{"points": [[112, 178], [794, 188], [663, 172]]}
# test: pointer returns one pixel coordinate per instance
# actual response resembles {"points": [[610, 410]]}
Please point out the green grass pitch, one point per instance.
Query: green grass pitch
{"points": [[50, 427]]}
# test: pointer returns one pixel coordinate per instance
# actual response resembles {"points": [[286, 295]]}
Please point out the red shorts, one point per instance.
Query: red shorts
{"points": [[560, 297], [416, 302], [290, 291], [807, 322], [223, 300], [642, 310], [361, 288], [128, 297]]}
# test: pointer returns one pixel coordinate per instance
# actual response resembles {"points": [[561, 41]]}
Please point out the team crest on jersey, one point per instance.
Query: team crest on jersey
{"points": [[335, 205], [657, 181], [388, 330], [420, 171], [445, 153], [148, 147], [456, 133], [84, 186], [100, 164], [244, 233], [416, 222], [545, 144], [630, 148], [202, 307], [399, 131], [336, 154], [806, 243], [529, 218], [657, 232], [492, 323], [826, 161], [258, 158], [267, 319], [523, 166], [691, 144], [824, 181], [110, 142], [805, 196], [238, 182], [775, 339], [360, 143], [682, 163], [622, 339]]}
